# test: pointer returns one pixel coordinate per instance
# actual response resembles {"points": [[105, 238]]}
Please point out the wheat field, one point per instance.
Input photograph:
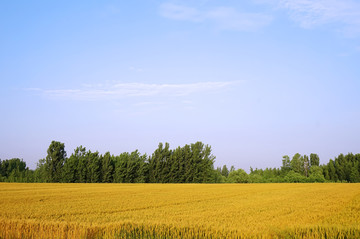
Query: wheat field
{"points": [[179, 210]]}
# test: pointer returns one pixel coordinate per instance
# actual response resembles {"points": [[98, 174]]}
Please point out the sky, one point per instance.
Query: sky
{"points": [[254, 79]]}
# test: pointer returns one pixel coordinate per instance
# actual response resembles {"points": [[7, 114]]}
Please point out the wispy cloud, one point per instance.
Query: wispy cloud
{"points": [[344, 15], [230, 19], [225, 18], [180, 12], [124, 90]]}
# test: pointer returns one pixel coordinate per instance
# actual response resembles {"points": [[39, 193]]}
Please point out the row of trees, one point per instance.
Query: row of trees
{"points": [[15, 170], [343, 168], [192, 163], [189, 164], [300, 169]]}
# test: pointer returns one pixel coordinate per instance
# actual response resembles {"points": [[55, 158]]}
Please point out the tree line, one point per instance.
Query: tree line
{"points": [[192, 163]]}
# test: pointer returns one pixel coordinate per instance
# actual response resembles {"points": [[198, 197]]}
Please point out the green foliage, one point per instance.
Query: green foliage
{"points": [[238, 176], [256, 178], [69, 170], [332, 171], [343, 168], [354, 176], [107, 168], [131, 168], [316, 175], [297, 163], [306, 165], [54, 161], [93, 167], [225, 171], [286, 166], [192, 163], [14, 170], [314, 160], [294, 177], [218, 177]]}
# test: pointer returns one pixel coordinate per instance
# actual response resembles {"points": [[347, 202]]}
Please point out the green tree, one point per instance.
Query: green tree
{"points": [[354, 175], [326, 172], [133, 166], [107, 168], [256, 178], [316, 174], [204, 162], [189, 164], [286, 165], [332, 171], [218, 177], [142, 170], [40, 174], [238, 176], [339, 166], [54, 162], [159, 169], [225, 171], [13, 170], [69, 171], [297, 163], [83, 170], [314, 160], [93, 167], [294, 177], [306, 164], [121, 161]]}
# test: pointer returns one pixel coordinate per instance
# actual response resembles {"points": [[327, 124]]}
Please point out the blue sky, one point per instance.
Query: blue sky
{"points": [[255, 79]]}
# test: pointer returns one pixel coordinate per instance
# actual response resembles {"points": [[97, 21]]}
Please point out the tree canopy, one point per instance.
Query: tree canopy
{"points": [[192, 163]]}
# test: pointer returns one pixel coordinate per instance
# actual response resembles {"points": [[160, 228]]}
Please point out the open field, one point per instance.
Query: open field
{"points": [[179, 210]]}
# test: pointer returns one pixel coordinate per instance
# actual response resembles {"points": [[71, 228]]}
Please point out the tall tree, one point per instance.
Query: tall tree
{"points": [[297, 164], [82, 169], [225, 171], [69, 171], [286, 166], [1, 171], [306, 164], [107, 168], [340, 167], [93, 167], [332, 171], [56, 156], [143, 170], [121, 161], [158, 164], [354, 174], [133, 166], [314, 160]]}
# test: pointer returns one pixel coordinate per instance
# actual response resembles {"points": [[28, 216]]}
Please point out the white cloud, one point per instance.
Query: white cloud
{"points": [[225, 18], [343, 14], [124, 90]]}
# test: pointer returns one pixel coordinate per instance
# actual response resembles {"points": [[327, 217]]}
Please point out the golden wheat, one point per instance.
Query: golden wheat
{"points": [[179, 210]]}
